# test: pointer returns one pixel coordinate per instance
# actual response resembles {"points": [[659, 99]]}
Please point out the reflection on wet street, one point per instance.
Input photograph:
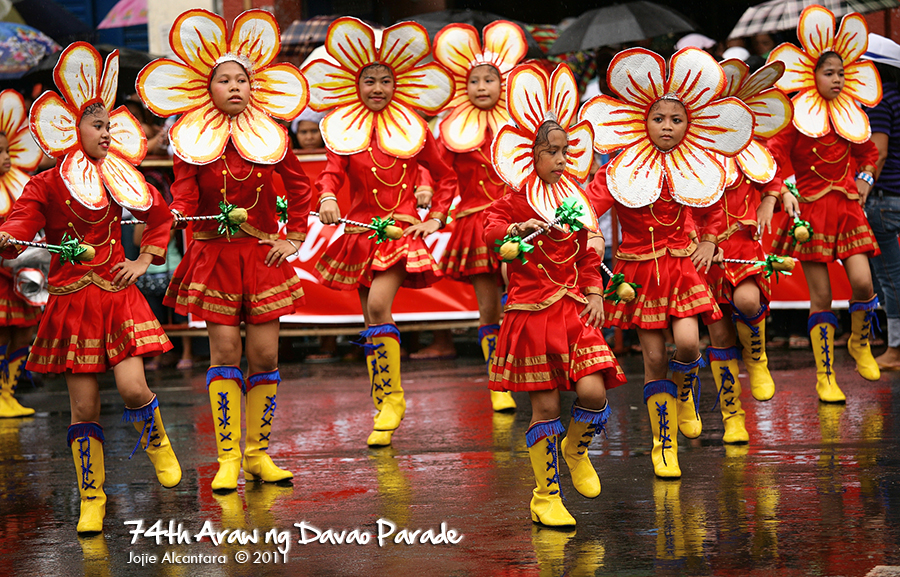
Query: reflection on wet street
{"points": [[816, 491]]}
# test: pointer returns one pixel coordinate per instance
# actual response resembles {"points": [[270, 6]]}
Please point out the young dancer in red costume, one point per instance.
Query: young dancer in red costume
{"points": [[550, 340], [19, 154], [828, 149], [95, 319], [743, 290], [668, 127], [228, 152], [476, 112], [377, 140]]}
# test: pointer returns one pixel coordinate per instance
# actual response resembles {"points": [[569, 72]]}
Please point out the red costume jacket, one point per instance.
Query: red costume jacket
{"points": [[383, 186], [479, 183], [46, 203], [560, 265], [198, 189], [650, 231], [821, 164]]}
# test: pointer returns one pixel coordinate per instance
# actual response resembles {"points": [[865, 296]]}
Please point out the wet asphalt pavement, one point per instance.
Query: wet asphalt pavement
{"points": [[816, 491]]}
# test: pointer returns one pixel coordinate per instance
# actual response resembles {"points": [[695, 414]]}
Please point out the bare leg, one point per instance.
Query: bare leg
{"points": [[653, 347], [262, 346], [131, 382], [487, 291], [84, 397], [544, 405], [225, 346]]}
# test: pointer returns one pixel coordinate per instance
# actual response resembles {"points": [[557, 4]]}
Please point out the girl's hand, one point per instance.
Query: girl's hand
{"points": [[598, 245], [131, 270], [529, 226], [764, 216], [422, 229], [863, 188], [423, 197], [281, 249], [4, 239], [790, 204], [329, 211], [703, 255], [593, 310]]}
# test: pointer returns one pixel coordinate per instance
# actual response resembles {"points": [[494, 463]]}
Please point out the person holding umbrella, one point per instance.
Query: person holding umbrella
{"points": [[228, 153], [96, 319], [550, 340], [883, 203], [828, 148], [375, 137], [475, 114], [670, 129]]}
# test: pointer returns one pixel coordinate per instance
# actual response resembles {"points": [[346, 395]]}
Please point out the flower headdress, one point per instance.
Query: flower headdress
{"points": [[715, 126], [771, 109], [202, 41], [861, 81], [84, 80], [399, 131], [24, 152], [534, 98], [457, 47]]}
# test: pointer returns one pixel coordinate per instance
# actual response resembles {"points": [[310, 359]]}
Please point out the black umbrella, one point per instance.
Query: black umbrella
{"points": [[130, 63], [434, 21], [619, 24]]}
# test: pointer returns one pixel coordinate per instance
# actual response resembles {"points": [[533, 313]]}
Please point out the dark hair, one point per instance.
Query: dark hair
{"points": [[492, 68], [376, 65], [93, 109], [661, 100], [823, 58], [542, 137], [215, 69]]}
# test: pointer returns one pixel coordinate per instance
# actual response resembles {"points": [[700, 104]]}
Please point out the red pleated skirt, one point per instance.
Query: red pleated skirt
{"points": [[467, 253], [91, 330], [14, 312], [723, 278], [840, 229], [678, 291], [227, 282], [550, 349], [353, 259]]}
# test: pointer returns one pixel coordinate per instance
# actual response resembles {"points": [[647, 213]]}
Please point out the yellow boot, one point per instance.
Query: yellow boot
{"points": [[546, 502], [821, 333], [9, 376], [262, 389], [156, 443], [487, 336], [752, 334], [659, 396], [861, 316], [225, 384], [724, 364], [685, 377], [86, 442], [585, 424], [387, 394]]}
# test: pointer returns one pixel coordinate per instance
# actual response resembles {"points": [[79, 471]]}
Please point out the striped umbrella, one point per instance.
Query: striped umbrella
{"points": [[779, 15]]}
